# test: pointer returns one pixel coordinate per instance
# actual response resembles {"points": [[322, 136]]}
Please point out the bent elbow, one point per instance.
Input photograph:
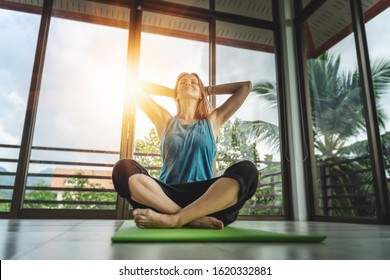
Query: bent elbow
{"points": [[247, 86]]}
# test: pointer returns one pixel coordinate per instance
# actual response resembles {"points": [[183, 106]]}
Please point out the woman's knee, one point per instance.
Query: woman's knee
{"points": [[125, 168], [251, 173], [246, 173], [121, 172], [246, 169], [248, 166]]}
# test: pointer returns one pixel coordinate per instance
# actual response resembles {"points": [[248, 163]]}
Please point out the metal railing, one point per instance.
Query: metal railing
{"points": [[43, 194], [347, 187], [79, 192]]}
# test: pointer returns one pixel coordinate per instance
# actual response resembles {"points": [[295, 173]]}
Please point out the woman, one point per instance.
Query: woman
{"points": [[187, 194]]}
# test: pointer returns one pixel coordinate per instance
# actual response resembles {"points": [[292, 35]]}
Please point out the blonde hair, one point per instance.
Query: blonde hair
{"points": [[204, 108]]}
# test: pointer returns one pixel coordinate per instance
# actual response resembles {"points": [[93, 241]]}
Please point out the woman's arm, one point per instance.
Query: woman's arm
{"points": [[156, 89], [239, 92], [157, 114]]}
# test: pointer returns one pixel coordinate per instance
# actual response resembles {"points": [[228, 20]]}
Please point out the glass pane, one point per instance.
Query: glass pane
{"points": [[248, 8], [18, 37], [78, 126], [253, 132], [344, 172], [378, 37], [169, 46], [305, 3], [194, 3]]}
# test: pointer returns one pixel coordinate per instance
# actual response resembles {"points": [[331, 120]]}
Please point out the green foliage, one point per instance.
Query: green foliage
{"points": [[86, 195], [238, 140], [233, 144], [4, 207], [337, 108], [268, 199], [69, 195], [150, 146], [39, 195]]}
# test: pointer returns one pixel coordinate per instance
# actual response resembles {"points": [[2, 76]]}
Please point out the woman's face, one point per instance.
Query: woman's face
{"points": [[188, 87]]}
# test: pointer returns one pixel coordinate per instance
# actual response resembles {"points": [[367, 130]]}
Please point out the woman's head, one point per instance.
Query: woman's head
{"points": [[189, 85]]}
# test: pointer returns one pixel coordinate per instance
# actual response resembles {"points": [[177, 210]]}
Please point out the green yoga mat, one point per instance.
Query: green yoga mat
{"points": [[128, 232]]}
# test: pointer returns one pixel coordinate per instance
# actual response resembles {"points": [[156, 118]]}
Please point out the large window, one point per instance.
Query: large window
{"points": [[18, 36], [378, 37], [78, 126], [247, 53], [344, 174]]}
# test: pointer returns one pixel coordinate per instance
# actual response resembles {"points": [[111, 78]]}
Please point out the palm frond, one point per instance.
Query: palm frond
{"points": [[260, 131], [267, 90], [380, 70], [338, 114]]}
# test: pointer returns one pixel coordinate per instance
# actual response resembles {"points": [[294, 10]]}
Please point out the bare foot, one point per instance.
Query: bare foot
{"points": [[147, 218], [206, 222]]}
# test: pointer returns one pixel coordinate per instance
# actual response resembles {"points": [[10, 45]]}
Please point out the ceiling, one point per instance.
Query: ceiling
{"points": [[248, 8], [226, 33], [332, 22], [327, 26]]}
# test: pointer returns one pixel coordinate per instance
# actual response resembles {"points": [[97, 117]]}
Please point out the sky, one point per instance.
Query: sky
{"points": [[83, 84], [378, 38]]}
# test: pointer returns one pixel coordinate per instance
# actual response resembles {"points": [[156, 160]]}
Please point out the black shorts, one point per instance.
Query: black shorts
{"points": [[245, 172]]}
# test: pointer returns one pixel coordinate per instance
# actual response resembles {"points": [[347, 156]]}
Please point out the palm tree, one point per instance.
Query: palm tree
{"points": [[338, 121], [337, 108]]}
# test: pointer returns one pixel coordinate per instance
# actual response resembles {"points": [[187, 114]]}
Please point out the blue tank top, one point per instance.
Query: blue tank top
{"points": [[188, 152]]}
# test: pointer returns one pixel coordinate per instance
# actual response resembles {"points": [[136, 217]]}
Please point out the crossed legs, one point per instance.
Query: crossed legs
{"points": [[222, 194]]}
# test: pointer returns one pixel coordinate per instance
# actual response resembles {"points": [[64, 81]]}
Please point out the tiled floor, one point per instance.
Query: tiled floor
{"points": [[90, 239]]}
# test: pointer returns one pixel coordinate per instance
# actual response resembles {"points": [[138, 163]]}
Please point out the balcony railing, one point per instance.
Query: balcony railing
{"points": [[347, 187], [69, 184], [82, 194]]}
